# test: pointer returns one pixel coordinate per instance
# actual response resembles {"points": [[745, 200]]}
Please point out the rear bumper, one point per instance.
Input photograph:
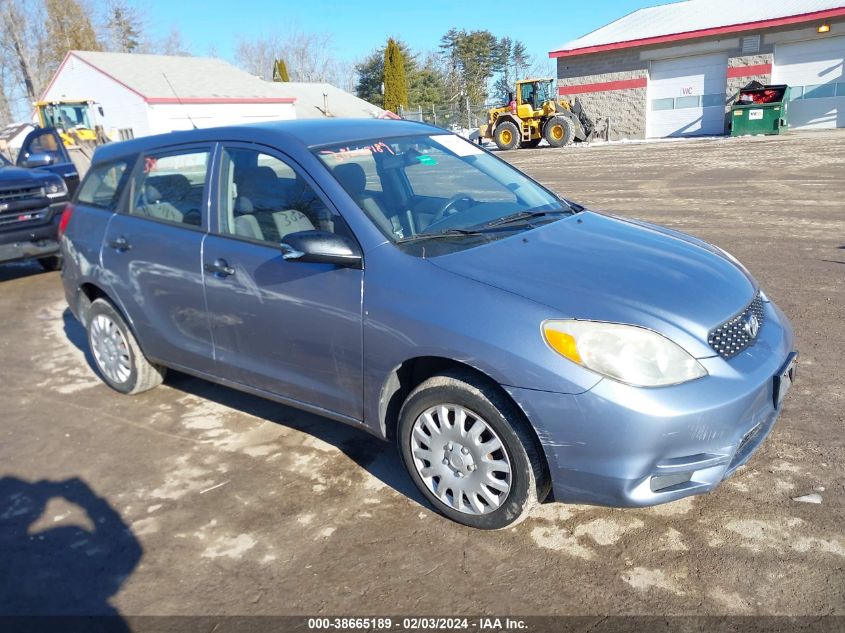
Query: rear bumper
{"points": [[624, 446], [32, 242]]}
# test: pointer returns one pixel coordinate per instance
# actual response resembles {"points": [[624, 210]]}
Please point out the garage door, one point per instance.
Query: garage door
{"points": [[814, 71], [686, 96]]}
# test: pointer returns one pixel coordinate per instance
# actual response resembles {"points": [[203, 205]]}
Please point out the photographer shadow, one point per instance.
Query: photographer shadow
{"points": [[66, 569]]}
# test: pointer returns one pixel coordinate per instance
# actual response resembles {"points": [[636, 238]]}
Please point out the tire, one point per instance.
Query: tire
{"points": [[506, 135], [51, 263], [421, 445], [530, 144], [118, 359], [558, 131]]}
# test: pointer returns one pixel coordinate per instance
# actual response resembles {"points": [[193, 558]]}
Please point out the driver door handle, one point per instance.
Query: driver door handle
{"points": [[220, 267], [120, 244]]}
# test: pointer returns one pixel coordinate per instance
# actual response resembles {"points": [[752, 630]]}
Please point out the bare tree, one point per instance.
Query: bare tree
{"points": [[309, 57], [172, 44], [257, 55], [23, 43]]}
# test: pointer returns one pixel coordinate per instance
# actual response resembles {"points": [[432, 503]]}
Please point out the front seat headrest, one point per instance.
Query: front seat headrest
{"points": [[352, 177]]}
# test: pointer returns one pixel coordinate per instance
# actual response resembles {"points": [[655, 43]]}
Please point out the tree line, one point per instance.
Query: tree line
{"points": [[467, 67]]}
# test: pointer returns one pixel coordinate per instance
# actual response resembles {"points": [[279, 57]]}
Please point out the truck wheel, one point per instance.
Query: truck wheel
{"points": [[470, 452], [119, 360], [530, 144], [558, 131], [51, 263], [506, 136]]}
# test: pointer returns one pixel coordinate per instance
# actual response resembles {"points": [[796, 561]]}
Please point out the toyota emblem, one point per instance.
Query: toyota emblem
{"points": [[752, 325]]}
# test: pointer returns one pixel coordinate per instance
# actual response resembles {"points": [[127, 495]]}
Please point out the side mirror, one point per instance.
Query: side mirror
{"points": [[320, 247], [37, 160]]}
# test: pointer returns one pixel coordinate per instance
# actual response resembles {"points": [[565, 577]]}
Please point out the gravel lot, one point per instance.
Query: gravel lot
{"points": [[196, 499]]}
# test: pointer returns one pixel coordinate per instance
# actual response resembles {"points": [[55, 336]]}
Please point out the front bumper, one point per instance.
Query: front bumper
{"points": [[32, 242], [619, 445]]}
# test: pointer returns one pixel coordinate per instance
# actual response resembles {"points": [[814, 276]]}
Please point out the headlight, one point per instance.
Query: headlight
{"points": [[55, 189], [626, 353]]}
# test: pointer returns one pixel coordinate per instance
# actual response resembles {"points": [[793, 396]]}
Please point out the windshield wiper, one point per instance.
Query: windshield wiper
{"points": [[439, 234], [520, 216]]}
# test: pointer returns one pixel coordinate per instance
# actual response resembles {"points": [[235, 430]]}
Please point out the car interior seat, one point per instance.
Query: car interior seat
{"points": [[152, 204], [354, 180]]}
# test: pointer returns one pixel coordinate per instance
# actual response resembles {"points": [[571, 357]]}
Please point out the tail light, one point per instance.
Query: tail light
{"points": [[65, 219]]}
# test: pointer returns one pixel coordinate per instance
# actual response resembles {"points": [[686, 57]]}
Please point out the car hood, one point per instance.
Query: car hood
{"points": [[599, 267], [20, 177]]}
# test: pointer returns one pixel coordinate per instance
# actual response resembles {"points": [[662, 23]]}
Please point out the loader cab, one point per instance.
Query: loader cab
{"points": [[533, 94]]}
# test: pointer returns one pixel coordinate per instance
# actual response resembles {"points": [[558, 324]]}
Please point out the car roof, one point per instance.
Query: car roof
{"points": [[303, 134]]}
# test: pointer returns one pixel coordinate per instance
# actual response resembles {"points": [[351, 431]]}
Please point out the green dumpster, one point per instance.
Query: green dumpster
{"points": [[760, 110]]}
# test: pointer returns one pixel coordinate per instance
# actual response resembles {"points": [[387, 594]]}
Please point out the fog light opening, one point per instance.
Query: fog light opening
{"points": [[662, 482]]}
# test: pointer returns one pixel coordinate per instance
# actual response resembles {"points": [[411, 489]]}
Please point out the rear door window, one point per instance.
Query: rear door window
{"points": [[103, 184], [170, 187]]}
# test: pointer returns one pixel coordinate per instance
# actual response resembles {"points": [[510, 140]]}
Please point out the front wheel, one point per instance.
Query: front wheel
{"points": [[558, 131], [117, 357], [506, 135], [468, 450]]}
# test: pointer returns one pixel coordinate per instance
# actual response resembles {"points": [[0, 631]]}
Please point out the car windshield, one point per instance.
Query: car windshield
{"points": [[427, 186]]}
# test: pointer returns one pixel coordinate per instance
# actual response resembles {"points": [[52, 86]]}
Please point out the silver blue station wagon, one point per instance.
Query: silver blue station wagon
{"points": [[398, 278]]}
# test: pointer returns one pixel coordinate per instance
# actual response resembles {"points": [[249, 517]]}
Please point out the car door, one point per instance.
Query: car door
{"points": [[43, 148], [289, 328], [152, 255]]}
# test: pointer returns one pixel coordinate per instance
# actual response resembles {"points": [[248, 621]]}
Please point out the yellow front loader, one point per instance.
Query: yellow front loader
{"points": [[533, 114], [75, 121]]}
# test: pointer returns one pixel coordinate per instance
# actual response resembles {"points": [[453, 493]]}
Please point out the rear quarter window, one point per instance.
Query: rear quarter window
{"points": [[103, 184]]}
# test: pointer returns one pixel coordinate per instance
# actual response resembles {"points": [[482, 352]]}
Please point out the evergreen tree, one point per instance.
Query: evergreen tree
{"points": [[371, 73], [123, 27], [395, 85], [426, 86], [520, 59], [280, 71], [68, 28], [471, 59]]}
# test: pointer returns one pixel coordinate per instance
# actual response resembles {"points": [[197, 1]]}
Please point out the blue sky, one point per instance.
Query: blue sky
{"points": [[358, 27]]}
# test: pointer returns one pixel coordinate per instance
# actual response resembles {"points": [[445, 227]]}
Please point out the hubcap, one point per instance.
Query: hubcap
{"points": [[111, 351], [557, 132], [506, 136], [461, 459]]}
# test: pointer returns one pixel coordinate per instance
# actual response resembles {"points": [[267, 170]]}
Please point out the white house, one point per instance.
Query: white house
{"points": [[137, 95], [153, 94]]}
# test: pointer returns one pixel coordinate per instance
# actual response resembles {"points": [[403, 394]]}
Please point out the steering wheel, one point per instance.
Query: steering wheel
{"points": [[446, 209]]}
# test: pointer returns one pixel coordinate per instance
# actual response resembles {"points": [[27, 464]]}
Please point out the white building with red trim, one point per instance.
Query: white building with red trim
{"points": [[673, 69], [138, 95]]}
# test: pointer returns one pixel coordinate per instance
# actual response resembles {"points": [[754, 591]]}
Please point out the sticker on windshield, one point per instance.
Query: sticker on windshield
{"points": [[425, 159], [456, 144]]}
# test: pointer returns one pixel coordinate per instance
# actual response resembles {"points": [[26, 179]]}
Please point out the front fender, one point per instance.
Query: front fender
{"points": [[445, 315]]}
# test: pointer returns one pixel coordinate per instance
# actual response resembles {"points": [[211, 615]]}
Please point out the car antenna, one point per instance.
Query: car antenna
{"points": [[175, 94]]}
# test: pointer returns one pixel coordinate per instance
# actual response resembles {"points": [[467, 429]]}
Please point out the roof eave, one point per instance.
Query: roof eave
{"points": [[689, 35]]}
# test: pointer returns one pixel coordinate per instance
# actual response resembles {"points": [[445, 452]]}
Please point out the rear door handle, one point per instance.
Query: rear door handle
{"points": [[120, 244], [220, 267]]}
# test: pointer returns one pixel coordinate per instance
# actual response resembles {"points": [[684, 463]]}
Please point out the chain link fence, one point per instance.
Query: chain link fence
{"points": [[449, 117]]}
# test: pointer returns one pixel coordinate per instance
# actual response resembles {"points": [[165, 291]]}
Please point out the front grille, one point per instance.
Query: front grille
{"points": [[14, 195], [738, 333]]}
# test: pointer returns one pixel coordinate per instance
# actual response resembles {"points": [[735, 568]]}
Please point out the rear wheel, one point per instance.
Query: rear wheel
{"points": [[469, 452], [558, 131], [506, 135], [51, 263], [118, 359]]}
